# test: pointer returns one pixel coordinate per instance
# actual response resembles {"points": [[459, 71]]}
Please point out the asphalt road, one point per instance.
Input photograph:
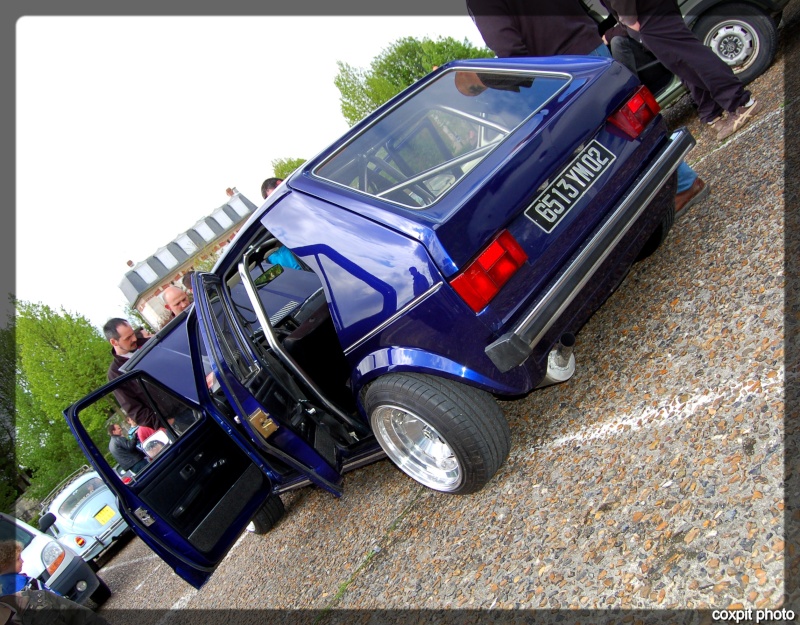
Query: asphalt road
{"points": [[653, 479]]}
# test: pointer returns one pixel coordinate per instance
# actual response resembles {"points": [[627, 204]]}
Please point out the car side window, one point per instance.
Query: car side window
{"points": [[11, 531], [162, 419]]}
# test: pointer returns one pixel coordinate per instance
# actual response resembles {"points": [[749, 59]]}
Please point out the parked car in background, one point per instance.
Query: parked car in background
{"points": [[452, 244], [54, 564], [743, 33], [81, 512]]}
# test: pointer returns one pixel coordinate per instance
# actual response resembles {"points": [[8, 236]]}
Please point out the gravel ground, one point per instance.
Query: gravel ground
{"points": [[654, 479]]}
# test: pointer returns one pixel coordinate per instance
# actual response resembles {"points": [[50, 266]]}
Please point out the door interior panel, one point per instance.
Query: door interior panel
{"points": [[202, 486]]}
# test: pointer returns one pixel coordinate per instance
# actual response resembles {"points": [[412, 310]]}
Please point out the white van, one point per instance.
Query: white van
{"points": [[54, 564]]}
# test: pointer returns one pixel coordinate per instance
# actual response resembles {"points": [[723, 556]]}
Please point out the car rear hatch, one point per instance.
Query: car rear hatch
{"points": [[542, 200], [522, 146]]}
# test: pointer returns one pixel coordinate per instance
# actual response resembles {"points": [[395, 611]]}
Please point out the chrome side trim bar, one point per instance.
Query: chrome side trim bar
{"points": [[514, 347]]}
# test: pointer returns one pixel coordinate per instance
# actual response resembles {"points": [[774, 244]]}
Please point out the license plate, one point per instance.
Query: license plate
{"points": [[105, 515], [567, 189]]}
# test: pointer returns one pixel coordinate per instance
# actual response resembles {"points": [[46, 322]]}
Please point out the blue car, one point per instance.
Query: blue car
{"points": [[450, 247]]}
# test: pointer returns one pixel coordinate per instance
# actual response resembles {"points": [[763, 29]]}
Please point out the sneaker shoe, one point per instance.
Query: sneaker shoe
{"points": [[694, 194], [733, 122]]}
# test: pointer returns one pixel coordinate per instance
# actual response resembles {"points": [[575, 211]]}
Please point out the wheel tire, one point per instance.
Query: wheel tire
{"points": [[659, 234], [420, 420], [268, 515], [99, 596], [742, 36]]}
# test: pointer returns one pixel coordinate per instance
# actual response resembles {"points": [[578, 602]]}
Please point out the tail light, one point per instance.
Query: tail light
{"points": [[485, 276], [634, 116]]}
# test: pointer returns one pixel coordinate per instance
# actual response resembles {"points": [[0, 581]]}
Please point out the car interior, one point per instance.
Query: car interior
{"points": [[278, 341]]}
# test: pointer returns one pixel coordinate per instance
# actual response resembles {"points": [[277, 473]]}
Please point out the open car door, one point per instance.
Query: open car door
{"points": [[294, 427], [200, 487]]}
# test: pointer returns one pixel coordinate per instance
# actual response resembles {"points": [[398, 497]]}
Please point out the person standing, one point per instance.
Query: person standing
{"points": [[124, 344], [175, 300], [536, 28], [124, 449], [722, 101], [552, 27]]}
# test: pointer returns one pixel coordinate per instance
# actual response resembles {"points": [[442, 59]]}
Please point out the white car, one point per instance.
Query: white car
{"points": [[55, 565], [82, 514]]}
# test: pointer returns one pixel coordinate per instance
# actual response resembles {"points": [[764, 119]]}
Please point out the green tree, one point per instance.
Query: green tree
{"points": [[283, 167], [400, 65], [60, 358]]}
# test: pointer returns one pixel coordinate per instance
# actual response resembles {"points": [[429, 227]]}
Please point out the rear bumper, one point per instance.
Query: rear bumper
{"points": [[514, 347], [104, 540]]}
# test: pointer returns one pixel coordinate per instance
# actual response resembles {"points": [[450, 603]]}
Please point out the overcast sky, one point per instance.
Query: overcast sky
{"points": [[129, 130]]}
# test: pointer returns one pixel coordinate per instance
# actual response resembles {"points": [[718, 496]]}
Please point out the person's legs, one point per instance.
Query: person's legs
{"points": [[622, 49], [686, 177], [691, 188], [711, 83]]}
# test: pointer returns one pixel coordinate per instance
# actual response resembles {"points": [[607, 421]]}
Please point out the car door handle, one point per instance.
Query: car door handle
{"points": [[187, 472]]}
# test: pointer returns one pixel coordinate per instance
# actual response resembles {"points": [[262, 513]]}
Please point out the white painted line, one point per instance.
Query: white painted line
{"points": [[111, 567], [758, 121], [674, 412], [181, 603]]}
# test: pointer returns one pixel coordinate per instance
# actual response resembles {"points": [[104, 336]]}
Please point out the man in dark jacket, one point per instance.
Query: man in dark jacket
{"points": [[124, 450], [131, 398], [714, 87]]}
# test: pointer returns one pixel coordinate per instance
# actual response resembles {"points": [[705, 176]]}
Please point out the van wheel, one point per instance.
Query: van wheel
{"points": [[268, 515], [742, 36], [447, 436]]}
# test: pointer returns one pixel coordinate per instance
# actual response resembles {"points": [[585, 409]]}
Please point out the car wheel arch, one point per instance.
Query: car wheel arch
{"points": [[398, 359], [446, 435]]}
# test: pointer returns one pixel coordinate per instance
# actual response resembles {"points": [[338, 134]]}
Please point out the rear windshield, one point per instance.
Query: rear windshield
{"points": [[421, 148], [84, 491]]}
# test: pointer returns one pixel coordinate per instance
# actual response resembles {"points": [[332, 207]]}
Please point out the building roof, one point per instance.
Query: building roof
{"points": [[161, 266]]}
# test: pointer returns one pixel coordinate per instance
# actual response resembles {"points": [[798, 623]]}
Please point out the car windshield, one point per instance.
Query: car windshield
{"points": [[80, 494], [10, 531], [422, 147]]}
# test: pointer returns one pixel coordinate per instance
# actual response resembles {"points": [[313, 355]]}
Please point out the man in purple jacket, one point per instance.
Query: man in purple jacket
{"points": [[536, 27]]}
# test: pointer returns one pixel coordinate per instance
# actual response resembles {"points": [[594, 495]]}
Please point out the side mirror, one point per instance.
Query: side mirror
{"points": [[46, 521]]}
